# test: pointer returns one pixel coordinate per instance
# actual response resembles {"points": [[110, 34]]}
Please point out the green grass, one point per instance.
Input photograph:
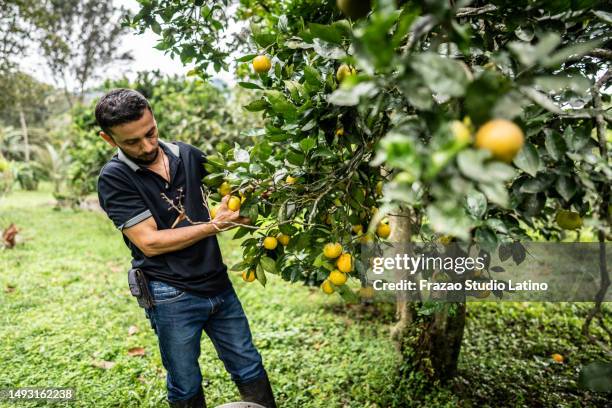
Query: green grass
{"points": [[70, 307]]}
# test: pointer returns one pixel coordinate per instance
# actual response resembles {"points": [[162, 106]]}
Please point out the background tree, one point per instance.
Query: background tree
{"points": [[79, 38]]}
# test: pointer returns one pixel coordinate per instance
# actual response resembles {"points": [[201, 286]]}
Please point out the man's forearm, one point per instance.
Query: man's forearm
{"points": [[169, 240]]}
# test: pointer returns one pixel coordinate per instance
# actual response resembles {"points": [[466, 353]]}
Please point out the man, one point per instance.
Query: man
{"points": [[151, 190]]}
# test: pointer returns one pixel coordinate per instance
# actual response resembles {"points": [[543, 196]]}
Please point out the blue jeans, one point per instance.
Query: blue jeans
{"points": [[178, 319]]}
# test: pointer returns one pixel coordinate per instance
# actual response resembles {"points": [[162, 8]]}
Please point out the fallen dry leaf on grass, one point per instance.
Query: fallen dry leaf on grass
{"points": [[9, 288], [8, 236], [132, 330], [104, 364], [136, 351]]}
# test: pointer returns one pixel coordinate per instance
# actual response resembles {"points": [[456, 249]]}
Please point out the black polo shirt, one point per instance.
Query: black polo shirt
{"points": [[130, 194]]}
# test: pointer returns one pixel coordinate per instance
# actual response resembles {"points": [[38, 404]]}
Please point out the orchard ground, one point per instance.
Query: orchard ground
{"points": [[66, 312]]}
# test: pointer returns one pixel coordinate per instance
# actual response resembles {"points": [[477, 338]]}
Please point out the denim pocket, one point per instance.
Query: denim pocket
{"points": [[163, 293]]}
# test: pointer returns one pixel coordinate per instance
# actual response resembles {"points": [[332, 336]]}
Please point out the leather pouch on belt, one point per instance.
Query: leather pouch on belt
{"points": [[139, 287]]}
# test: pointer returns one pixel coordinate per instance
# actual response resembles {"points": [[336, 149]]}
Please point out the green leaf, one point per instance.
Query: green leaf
{"points": [[538, 184], [268, 264], [605, 16], [213, 180], [239, 266], [312, 76], [451, 221], [261, 275], [351, 96], [257, 105], [486, 239], [443, 76], [307, 144], [246, 58], [249, 85], [528, 160], [325, 32], [566, 187], [496, 193], [483, 94], [264, 40], [295, 158], [528, 54], [328, 50], [476, 204], [558, 83], [241, 232], [241, 155], [187, 54], [471, 164], [571, 51], [155, 27], [281, 105], [555, 146]]}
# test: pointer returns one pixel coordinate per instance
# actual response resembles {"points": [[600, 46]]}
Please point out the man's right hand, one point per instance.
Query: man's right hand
{"points": [[226, 219]]}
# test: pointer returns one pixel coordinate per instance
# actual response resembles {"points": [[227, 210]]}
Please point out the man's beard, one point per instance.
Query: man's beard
{"points": [[144, 161]]}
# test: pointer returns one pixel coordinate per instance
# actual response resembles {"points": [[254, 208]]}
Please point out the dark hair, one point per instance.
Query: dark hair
{"points": [[120, 106]]}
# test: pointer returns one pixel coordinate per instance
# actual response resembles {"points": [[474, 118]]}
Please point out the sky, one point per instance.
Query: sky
{"points": [[146, 58]]}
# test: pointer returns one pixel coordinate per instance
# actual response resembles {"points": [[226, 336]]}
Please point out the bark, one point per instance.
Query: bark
{"points": [[429, 344], [24, 132]]}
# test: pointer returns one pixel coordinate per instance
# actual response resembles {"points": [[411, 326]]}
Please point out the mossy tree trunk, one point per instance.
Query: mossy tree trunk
{"points": [[430, 343]]}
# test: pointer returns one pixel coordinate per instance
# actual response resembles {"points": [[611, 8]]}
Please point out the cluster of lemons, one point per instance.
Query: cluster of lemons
{"points": [[344, 266]]}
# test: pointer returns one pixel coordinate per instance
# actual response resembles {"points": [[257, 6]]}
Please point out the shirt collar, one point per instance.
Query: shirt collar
{"points": [[174, 149]]}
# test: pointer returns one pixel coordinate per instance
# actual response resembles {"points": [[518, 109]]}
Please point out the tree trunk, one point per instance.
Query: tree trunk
{"points": [[24, 132], [429, 343]]}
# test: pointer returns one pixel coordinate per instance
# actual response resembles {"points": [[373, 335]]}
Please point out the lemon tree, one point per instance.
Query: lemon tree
{"points": [[405, 120]]}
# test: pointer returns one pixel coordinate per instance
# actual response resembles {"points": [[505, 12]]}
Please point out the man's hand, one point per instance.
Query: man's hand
{"points": [[226, 219]]}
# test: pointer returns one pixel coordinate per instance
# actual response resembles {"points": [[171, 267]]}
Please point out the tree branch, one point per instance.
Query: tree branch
{"points": [[603, 210]]}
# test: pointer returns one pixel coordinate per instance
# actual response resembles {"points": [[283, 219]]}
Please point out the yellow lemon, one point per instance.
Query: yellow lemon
{"points": [[501, 137], [224, 189], [332, 250], [270, 243], [345, 263], [357, 229], [327, 287], [569, 220], [283, 239], [337, 278], [213, 212], [233, 203], [558, 358], [290, 180], [383, 230], [261, 64], [343, 72], [461, 132], [248, 276]]}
